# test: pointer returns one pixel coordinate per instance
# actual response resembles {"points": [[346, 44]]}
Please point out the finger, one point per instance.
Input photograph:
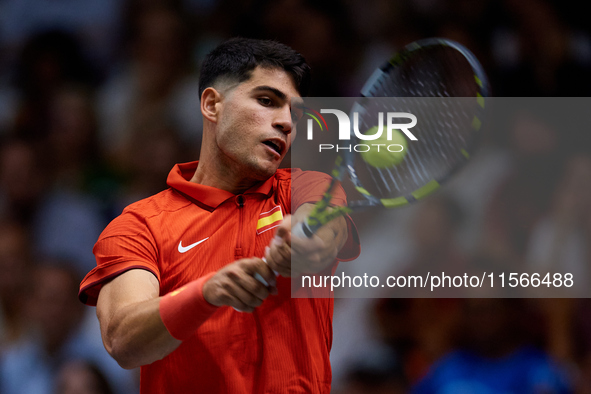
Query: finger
{"points": [[235, 281], [312, 262], [258, 266], [227, 296], [279, 262], [258, 277], [260, 271], [307, 245], [245, 308], [271, 288], [284, 230], [265, 271], [270, 263], [239, 306], [280, 269], [324, 255], [246, 297], [280, 251], [255, 287]]}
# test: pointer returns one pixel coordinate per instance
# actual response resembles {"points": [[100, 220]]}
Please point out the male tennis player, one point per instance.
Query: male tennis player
{"points": [[176, 271]]}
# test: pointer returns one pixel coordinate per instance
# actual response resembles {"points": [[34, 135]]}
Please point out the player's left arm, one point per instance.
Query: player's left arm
{"points": [[291, 256]]}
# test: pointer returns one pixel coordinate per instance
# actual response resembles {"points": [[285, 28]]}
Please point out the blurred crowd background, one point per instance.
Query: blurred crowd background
{"points": [[99, 99]]}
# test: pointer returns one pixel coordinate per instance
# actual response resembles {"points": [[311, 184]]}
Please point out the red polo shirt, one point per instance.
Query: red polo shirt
{"points": [[190, 230]]}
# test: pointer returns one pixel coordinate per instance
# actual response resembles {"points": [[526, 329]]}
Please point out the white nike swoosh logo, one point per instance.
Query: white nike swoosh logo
{"points": [[184, 249]]}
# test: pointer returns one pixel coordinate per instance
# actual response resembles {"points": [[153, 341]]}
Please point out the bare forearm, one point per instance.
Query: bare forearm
{"points": [[139, 327], [135, 335], [131, 327]]}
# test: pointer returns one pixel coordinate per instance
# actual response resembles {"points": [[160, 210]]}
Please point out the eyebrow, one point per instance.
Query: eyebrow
{"points": [[275, 91]]}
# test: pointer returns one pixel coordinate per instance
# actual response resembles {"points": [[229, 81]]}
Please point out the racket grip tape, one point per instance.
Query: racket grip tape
{"points": [[302, 230]]}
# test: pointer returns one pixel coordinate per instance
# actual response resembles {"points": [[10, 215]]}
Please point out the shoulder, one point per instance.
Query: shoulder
{"points": [[296, 175], [166, 201], [136, 215], [296, 179], [285, 174]]}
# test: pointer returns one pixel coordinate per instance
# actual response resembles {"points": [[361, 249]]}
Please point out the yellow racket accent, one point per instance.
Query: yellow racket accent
{"points": [[362, 190], [476, 123], [426, 190], [478, 81], [480, 100], [394, 202]]}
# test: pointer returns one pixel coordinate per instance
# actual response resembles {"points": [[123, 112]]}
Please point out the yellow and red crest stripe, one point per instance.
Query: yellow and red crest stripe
{"points": [[269, 219]]}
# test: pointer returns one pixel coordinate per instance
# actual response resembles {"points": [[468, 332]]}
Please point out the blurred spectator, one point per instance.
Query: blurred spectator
{"points": [[48, 61], [22, 180], [561, 244], [539, 54], [584, 377], [94, 22], [155, 80], [474, 187], [56, 186], [67, 225], [493, 356], [77, 203], [320, 31], [73, 155], [561, 241], [81, 377], [418, 331], [380, 380], [434, 232], [523, 197], [55, 314], [15, 266], [151, 151]]}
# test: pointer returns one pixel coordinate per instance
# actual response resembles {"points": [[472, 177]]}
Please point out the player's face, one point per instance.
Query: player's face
{"points": [[254, 130]]}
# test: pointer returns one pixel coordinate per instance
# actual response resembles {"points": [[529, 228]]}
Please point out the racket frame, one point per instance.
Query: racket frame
{"points": [[345, 162]]}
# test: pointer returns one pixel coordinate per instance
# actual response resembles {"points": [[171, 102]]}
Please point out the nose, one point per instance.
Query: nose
{"points": [[282, 121]]}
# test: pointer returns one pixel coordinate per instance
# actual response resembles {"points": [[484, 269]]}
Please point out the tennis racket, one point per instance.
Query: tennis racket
{"points": [[445, 85]]}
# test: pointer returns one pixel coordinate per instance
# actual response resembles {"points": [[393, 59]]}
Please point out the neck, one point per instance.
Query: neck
{"points": [[219, 171], [210, 173]]}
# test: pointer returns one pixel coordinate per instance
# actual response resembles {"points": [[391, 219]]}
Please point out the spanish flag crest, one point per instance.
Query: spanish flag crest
{"points": [[269, 219]]}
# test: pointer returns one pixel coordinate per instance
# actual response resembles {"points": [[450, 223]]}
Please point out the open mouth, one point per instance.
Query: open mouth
{"points": [[275, 145]]}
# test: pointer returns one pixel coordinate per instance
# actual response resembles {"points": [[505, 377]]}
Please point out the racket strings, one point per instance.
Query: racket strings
{"points": [[436, 71], [443, 130], [435, 154]]}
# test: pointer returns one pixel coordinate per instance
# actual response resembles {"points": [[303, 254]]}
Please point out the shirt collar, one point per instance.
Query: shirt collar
{"points": [[180, 176]]}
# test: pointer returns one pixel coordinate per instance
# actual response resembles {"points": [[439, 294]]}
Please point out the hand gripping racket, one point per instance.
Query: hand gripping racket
{"points": [[445, 86]]}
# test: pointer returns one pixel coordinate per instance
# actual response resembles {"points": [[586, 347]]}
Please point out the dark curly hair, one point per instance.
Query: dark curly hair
{"points": [[236, 58]]}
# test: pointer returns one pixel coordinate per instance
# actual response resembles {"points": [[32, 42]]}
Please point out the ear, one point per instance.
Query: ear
{"points": [[210, 98]]}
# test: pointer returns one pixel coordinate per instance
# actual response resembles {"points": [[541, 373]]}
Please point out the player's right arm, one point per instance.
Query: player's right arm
{"points": [[139, 327], [128, 311]]}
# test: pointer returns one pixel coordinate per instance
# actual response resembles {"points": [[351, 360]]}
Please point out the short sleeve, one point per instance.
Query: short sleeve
{"points": [[309, 187], [125, 244], [352, 248]]}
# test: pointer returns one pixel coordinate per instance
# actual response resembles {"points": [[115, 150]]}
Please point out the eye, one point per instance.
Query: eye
{"points": [[296, 114], [265, 101]]}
